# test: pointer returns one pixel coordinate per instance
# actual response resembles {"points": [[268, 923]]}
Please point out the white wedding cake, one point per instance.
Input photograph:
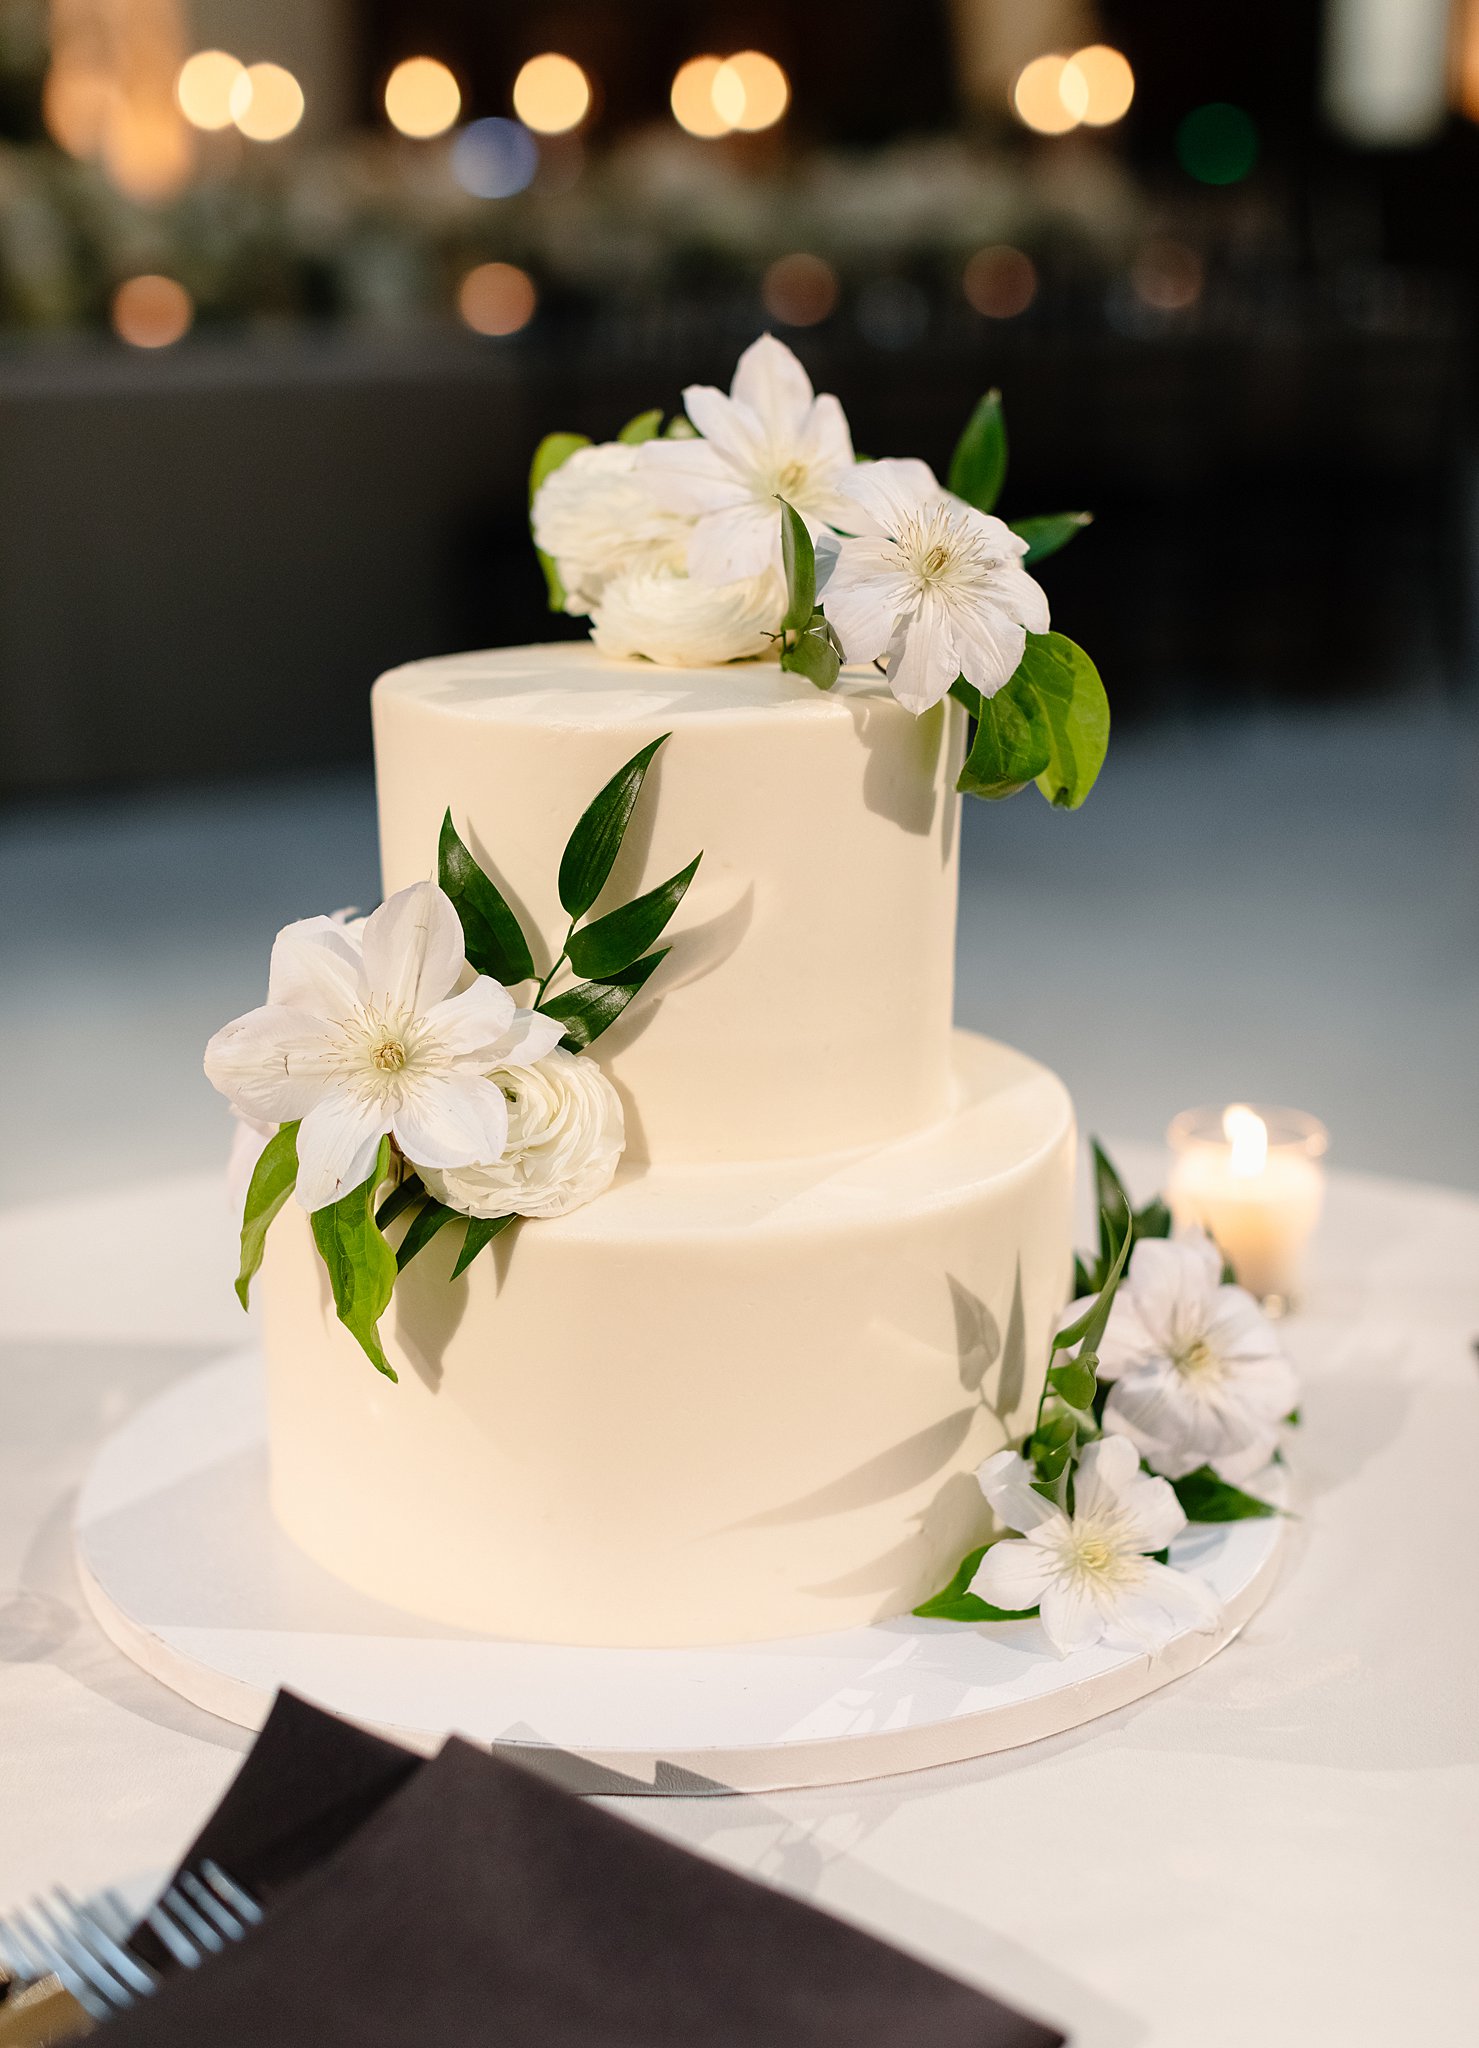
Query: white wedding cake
{"points": [[743, 1392]]}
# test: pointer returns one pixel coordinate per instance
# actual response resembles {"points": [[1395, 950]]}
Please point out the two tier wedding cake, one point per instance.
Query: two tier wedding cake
{"points": [[653, 1264]]}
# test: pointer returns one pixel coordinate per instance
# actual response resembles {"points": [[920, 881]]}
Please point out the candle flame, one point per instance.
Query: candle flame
{"points": [[1247, 1134]]}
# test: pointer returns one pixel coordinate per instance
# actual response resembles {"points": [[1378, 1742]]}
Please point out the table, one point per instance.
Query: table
{"points": [[1282, 1849]]}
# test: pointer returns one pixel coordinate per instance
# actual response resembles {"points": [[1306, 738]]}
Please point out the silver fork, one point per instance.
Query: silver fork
{"points": [[74, 1970]]}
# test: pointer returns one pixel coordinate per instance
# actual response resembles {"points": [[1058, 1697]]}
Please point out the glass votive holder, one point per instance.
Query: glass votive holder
{"points": [[1252, 1176]]}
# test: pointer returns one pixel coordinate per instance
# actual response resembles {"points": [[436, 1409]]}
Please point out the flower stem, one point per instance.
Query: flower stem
{"points": [[543, 988]]}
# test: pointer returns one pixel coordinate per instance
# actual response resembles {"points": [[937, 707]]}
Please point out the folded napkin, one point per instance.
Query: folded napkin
{"points": [[478, 1905]]}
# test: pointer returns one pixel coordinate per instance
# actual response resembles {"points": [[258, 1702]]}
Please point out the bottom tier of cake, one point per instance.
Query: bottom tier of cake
{"points": [[717, 1404]]}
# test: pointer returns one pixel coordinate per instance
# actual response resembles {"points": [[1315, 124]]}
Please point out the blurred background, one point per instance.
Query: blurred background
{"points": [[289, 290]]}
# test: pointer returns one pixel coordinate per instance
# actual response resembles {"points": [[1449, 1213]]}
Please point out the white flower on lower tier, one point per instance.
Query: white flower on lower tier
{"points": [[361, 1035], [928, 585], [1092, 1574], [565, 1138], [1199, 1375], [676, 620], [597, 518]]}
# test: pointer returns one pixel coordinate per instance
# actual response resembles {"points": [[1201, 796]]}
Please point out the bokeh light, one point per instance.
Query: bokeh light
{"points": [[1049, 96], [146, 149], [1000, 282], [552, 94], [76, 105], [1108, 84], [750, 91], [693, 98], [1167, 275], [1217, 144], [497, 298], [151, 311], [422, 98], [204, 88], [799, 290], [494, 158], [266, 103]]}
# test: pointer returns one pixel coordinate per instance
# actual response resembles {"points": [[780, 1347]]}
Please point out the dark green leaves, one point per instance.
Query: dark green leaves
{"points": [[643, 428], [493, 937], [425, 1224], [1012, 745], [593, 846], [1071, 699], [1206, 1498], [481, 1230], [551, 452], [799, 559], [360, 1263], [1115, 1214], [400, 1198], [815, 654], [1046, 535], [592, 1007], [956, 1602], [978, 468], [604, 949], [1074, 1382], [273, 1180]]}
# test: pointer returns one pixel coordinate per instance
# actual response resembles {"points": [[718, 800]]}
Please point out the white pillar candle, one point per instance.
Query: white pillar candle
{"points": [[1253, 1179]]}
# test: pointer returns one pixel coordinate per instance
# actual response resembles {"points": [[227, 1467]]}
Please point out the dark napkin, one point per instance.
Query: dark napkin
{"points": [[480, 1905]]}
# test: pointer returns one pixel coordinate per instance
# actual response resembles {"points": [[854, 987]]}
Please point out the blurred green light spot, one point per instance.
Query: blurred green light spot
{"points": [[1217, 144]]}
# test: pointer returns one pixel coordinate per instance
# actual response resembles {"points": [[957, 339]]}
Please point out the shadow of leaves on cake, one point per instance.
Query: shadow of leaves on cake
{"points": [[894, 1471], [980, 1344], [899, 783], [953, 1521]]}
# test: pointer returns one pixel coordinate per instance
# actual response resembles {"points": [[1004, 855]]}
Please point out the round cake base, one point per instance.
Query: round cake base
{"points": [[188, 1573]]}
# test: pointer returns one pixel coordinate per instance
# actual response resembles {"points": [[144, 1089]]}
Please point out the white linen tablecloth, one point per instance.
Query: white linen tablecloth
{"points": [[1281, 1849]]}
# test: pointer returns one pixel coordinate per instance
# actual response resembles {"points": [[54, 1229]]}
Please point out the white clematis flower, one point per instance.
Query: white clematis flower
{"points": [[1092, 1574], [676, 620], [597, 518], [565, 1138], [1200, 1378], [929, 585], [361, 1035], [771, 438]]}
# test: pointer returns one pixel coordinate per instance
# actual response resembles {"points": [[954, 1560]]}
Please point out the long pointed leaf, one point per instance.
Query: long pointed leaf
{"points": [[424, 1226], [1112, 1202], [642, 427], [493, 936], [399, 1200], [1206, 1498], [605, 949], [978, 468], [798, 557], [956, 1602], [361, 1265], [273, 1179], [1045, 536], [591, 850], [592, 1007], [481, 1230]]}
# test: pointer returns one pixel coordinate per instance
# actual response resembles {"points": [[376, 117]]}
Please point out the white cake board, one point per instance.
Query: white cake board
{"points": [[188, 1573]]}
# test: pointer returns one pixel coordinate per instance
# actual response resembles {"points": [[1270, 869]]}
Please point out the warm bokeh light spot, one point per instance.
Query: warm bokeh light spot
{"points": [[1000, 282], [750, 91], [204, 88], [266, 103], [1049, 97], [799, 290], [151, 311], [693, 98], [1102, 78], [1167, 275], [422, 98], [1217, 144], [76, 104], [552, 94], [497, 298]]}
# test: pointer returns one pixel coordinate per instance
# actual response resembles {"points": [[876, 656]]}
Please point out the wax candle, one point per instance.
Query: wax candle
{"points": [[1253, 1178]]}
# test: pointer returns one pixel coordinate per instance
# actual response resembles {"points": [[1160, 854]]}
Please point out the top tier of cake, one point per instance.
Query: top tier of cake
{"points": [[806, 1004]]}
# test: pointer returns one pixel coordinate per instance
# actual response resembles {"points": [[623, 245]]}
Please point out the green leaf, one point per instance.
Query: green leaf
{"points": [[1088, 1330], [1293, 1418], [1083, 1280], [1112, 1202], [1052, 1461], [592, 1007], [1072, 703], [680, 428], [399, 1200], [813, 655], [425, 1224], [590, 853], [1011, 747], [1206, 1498], [1154, 1220], [481, 1230], [548, 456], [1075, 1382], [956, 1602], [493, 937], [978, 468], [605, 949], [798, 557], [1045, 536], [643, 428], [273, 1179], [361, 1265]]}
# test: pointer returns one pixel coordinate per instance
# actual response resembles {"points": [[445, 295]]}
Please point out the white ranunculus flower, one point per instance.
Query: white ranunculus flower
{"points": [[929, 585], [598, 518], [1092, 1575], [1199, 1374], [361, 1035], [771, 438], [565, 1138], [678, 621]]}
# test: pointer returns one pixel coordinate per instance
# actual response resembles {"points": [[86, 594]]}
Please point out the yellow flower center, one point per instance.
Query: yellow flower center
{"points": [[389, 1056], [790, 479], [1197, 1359]]}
